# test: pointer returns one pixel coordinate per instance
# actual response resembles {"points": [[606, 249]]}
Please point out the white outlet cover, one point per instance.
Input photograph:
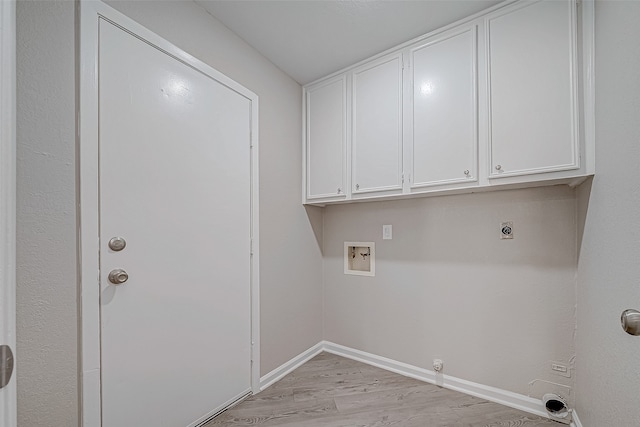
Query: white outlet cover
{"points": [[560, 368], [387, 232]]}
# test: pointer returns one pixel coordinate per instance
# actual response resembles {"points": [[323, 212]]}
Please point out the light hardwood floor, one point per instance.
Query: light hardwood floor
{"points": [[332, 391]]}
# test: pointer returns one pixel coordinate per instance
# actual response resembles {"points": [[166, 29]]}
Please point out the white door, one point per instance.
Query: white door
{"points": [[7, 216], [175, 184], [377, 126]]}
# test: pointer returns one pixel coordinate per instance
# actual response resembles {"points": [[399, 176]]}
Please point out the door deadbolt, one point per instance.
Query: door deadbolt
{"points": [[118, 276], [6, 365], [117, 244]]}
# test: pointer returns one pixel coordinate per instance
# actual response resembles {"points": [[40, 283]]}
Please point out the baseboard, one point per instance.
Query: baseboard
{"points": [[503, 397], [492, 394], [227, 405], [286, 368], [576, 421]]}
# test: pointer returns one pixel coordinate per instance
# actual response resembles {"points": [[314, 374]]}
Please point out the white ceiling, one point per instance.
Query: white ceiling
{"points": [[309, 39]]}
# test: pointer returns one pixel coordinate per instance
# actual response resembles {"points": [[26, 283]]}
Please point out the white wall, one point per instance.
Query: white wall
{"points": [[290, 276], [46, 220], [496, 311], [608, 362]]}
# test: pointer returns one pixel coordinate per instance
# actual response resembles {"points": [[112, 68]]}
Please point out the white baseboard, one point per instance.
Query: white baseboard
{"points": [[227, 405], [503, 397], [288, 367], [492, 394], [576, 421]]}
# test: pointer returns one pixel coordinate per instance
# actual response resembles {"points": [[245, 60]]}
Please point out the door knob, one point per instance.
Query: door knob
{"points": [[118, 276], [631, 321], [6, 365]]}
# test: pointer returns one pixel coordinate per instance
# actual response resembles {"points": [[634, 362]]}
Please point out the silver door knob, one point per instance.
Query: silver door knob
{"points": [[117, 244], [631, 321], [6, 365], [118, 276]]}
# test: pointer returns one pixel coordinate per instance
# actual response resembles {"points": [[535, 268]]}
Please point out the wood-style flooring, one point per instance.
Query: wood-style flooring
{"points": [[332, 391]]}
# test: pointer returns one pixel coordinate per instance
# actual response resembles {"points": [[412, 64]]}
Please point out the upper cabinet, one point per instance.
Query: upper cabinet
{"points": [[532, 88], [443, 115], [376, 147], [502, 99], [326, 139]]}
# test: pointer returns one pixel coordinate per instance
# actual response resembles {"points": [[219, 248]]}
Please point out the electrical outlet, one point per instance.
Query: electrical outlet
{"points": [[506, 230], [387, 232], [560, 369]]}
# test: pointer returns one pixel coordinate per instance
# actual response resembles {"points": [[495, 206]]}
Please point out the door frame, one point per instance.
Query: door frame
{"points": [[8, 414], [89, 14]]}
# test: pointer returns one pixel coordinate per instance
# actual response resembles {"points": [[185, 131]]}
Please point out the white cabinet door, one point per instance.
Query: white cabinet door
{"points": [[377, 126], [531, 66], [444, 110], [326, 134]]}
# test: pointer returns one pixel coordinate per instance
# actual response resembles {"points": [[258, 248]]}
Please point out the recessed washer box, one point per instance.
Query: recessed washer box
{"points": [[360, 258]]}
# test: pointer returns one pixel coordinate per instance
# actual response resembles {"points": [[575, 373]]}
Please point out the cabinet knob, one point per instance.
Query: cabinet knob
{"points": [[498, 167], [339, 190], [466, 172], [357, 186]]}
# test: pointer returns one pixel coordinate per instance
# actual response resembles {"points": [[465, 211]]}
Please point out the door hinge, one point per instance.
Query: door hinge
{"points": [[251, 251], [403, 178]]}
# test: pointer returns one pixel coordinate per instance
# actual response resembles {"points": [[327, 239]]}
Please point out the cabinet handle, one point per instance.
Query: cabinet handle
{"points": [[498, 167], [339, 190]]}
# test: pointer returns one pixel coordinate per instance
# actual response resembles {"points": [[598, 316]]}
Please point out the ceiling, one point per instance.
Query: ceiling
{"points": [[309, 39]]}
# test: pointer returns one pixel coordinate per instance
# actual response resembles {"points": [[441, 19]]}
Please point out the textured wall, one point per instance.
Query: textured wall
{"points": [[496, 311], [608, 372], [46, 220]]}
